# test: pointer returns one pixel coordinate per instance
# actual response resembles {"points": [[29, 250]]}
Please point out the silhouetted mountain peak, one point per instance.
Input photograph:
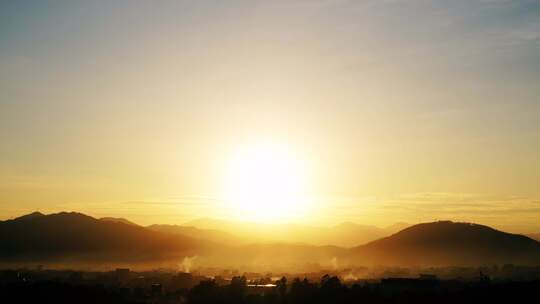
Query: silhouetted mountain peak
{"points": [[29, 216], [69, 234], [74, 217], [442, 229], [56, 218], [451, 243]]}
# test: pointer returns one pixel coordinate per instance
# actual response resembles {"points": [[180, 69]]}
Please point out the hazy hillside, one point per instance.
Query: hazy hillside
{"points": [[213, 235], [346, 234], [117, 220], [448, 243], [281, 257]]}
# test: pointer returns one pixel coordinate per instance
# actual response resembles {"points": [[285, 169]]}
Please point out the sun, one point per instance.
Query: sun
{"points": [[266, 182]]}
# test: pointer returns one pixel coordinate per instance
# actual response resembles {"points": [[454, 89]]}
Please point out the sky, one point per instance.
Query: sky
{"points": [[397, 110]]}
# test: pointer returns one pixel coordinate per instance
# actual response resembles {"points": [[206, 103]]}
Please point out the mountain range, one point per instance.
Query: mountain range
{"points": [[77, 237], [346, 234]]}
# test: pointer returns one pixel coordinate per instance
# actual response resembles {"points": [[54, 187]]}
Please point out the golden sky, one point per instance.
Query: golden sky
{"points": [[389, 110]]}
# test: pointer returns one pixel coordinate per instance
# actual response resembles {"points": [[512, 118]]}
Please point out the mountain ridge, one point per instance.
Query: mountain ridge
{"points": [[78, 236], [451, 243], [345, 234]]}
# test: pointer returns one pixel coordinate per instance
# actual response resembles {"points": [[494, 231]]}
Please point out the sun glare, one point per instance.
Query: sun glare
{"points": [[266, 183]]}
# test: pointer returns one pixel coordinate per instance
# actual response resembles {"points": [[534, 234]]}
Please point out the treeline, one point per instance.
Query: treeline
{"points": [[328, 290], [331, 290]]}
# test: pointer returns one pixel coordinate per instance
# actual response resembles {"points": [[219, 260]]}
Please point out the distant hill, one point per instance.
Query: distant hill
{"points": [[38, 236], [396, 227], [213, 235], [449, 243], [346, 234], [117, 220], [352, 234]]}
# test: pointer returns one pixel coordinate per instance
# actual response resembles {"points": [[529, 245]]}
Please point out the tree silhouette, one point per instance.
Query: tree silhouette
{"points": [[205, 292], [281, 286]]}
